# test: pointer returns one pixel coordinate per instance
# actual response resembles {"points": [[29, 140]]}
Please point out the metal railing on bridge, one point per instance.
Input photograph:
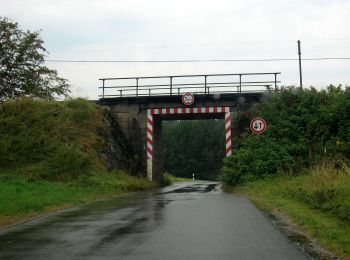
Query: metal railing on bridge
{"points": [[196, 84]]}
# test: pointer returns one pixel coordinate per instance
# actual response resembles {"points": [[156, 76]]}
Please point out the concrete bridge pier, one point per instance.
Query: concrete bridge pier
{"points": [[133, 120], [154, 148], [156, 173]]}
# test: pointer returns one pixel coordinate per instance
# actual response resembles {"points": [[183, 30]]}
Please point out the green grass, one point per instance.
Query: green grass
{"points": [[52, 140], [20, 199], [318, 201], [168, 179], [180, 179], [50, 157]]}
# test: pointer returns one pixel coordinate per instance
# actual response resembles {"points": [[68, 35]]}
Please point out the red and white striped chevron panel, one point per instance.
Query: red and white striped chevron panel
{"points": [[228, 134], [188, 110], [192, 110]]}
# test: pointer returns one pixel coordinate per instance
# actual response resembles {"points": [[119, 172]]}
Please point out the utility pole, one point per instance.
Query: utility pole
{"points": [[300, 73]]}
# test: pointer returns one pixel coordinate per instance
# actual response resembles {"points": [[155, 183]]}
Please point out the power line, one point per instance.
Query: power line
{"points": [[195, 60]]}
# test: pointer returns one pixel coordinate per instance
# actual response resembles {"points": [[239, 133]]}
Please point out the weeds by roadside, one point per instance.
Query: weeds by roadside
{"points": [[21, 199], [318, 200], [169, 179]]}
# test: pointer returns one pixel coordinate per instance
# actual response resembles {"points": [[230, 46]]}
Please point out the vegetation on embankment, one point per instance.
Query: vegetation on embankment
{"points": [[303, 127], [55, 154], [300, 165], [51, 140], [319, 201]]}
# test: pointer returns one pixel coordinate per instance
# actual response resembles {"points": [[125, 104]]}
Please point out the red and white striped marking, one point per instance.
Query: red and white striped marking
{"points": [[228, 134], [149, 147], [181, 110], [188, 110], [149, 136]]}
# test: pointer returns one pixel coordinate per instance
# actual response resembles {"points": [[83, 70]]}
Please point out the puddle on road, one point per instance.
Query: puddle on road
{"points": [[305, 244], [310, 247], [201, 188], [299, 239], [210, 187]]}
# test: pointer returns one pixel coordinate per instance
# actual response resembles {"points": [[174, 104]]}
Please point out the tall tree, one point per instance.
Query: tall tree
{"points": [[22, 69]]}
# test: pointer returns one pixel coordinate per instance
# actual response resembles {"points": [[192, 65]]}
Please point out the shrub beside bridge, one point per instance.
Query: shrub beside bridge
{"points": [[300, 165]]}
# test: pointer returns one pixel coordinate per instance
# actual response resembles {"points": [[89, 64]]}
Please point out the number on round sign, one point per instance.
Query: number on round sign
{"points": [[258, 125], [187, 99]]}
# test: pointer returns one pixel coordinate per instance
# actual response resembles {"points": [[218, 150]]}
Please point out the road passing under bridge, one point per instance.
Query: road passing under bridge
{"points": [[192, 220]]}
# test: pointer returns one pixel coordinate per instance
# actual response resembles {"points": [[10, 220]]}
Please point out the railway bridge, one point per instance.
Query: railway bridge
{"points": [[140, 104]]}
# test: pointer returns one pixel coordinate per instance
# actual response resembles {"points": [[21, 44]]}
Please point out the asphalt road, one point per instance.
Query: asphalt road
{"points": [[184, 221]]}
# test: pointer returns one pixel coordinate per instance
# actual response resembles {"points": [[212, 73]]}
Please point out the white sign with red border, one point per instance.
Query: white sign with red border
{"points": [[258, 125], [187, 99]]}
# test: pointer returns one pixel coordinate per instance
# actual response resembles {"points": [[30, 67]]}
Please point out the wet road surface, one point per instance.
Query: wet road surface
{"points": [[192, 220]]}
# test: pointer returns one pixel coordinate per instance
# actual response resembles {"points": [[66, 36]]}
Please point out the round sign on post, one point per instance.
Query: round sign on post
{"points": [[187, 99], [258, 125]]}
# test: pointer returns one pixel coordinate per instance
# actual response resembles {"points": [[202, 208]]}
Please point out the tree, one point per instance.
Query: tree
{"points": [[194, 147], [22, 69]]}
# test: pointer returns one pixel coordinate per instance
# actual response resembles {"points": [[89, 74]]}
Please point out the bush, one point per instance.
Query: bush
{"points": [[259, 157], [167, 179], [304, 127]]}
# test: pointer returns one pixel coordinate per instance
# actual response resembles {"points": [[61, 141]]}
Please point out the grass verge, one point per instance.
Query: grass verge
{"points": [[21, 199], [55, 155], [317, 201], [169, 179]]}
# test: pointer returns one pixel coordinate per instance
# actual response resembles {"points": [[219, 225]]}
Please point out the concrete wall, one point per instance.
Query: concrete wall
{"points": [[132, 122]]}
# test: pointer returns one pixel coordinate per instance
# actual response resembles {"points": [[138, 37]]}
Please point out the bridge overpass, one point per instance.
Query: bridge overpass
{"points": [[140, 104]]}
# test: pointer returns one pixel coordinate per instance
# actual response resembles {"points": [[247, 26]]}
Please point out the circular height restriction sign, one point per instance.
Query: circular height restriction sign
{"points": [[188, 99], [258, 125]]}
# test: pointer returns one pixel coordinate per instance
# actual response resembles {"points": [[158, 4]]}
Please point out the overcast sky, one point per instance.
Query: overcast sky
{"points": [[188, 29]]}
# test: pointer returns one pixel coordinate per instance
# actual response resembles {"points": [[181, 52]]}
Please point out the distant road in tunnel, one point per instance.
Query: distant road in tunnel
{"points": [[190, 220]]}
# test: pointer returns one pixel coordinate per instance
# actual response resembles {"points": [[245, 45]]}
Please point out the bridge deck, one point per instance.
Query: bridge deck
{"points": [[222, 99], [209, 84]]}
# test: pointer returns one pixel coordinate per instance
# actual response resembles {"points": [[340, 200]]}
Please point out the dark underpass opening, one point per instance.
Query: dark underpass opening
{"points": [[193, 147]]}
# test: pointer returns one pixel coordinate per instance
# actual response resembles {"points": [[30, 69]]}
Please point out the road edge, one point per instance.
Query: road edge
{"points": [[294, 232]]}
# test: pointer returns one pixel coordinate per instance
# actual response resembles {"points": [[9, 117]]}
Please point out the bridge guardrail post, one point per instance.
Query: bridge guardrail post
{"points": [[240, 83], [103, 88], [275, 81], [137, 87], [171, 85]]}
